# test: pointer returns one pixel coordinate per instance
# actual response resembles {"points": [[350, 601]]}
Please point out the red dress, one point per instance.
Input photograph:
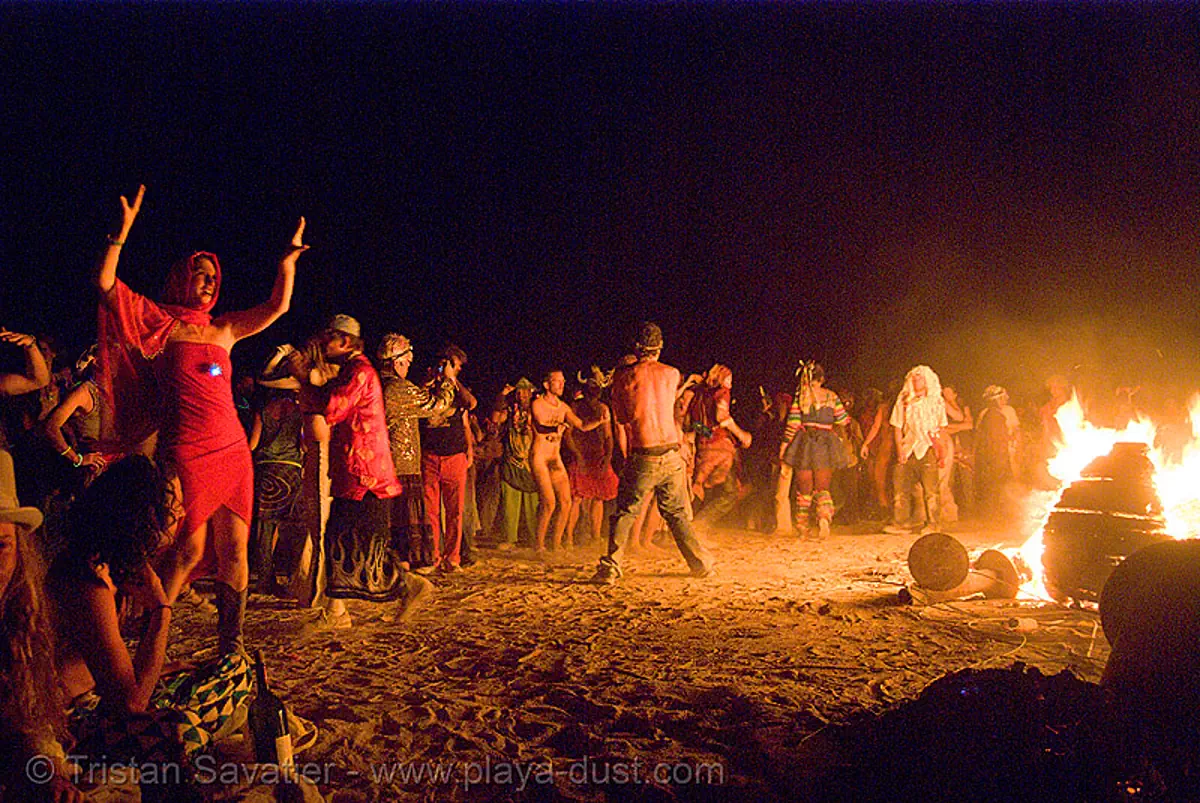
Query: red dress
{"points": [[183, 390], [201, 435]]}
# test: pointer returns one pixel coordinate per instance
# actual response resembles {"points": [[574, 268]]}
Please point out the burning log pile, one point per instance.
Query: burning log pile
{"points": [[1108, 514]]}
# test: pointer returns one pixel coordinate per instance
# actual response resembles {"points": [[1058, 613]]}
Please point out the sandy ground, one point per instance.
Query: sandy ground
{"points": [[521, 681]]}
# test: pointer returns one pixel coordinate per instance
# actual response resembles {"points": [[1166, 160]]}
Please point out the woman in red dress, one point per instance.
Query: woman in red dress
{"points": [[165, 366]]}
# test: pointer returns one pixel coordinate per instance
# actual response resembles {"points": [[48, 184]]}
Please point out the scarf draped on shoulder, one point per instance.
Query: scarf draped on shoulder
{"points": [[133, 331]]}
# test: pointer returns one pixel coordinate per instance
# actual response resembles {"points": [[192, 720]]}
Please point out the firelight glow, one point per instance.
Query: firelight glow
{"points": [[1177, 483]]}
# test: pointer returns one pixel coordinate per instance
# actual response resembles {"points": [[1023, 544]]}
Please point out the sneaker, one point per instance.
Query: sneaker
{"points": [[425, 570], [449, 568], [708, 570], [606, 575]]}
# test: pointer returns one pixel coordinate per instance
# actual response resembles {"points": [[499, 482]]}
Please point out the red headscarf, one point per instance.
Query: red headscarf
{"points": [[133, 330], [178, 287]]}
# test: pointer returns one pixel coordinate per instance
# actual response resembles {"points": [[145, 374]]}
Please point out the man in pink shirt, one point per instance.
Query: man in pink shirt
{"points": [[359, 560]]}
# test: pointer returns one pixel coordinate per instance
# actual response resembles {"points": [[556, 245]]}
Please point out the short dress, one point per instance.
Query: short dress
{"points": [[201, 436], [816, 446]]}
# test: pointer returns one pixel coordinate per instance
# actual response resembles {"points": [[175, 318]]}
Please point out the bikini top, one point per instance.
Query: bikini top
{"points": [[546, 429]]}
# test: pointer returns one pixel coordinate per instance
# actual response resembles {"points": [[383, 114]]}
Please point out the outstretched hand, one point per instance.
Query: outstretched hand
{"points": [[297, 247], [129, 211]]}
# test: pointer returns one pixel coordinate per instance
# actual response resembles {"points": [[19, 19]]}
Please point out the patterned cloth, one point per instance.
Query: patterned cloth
{"points": [[360, 561], [404, 404], [517, 439], [827, 412], [360, 456], [412, 537], [186, 710]]}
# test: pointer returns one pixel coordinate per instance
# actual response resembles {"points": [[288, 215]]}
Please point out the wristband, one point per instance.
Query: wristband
{"points": [[78, 460], [113, 241]]}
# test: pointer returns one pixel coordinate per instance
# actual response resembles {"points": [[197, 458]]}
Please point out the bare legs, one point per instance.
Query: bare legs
{"points": [[229, 544], [554, 493], [648, 522]]}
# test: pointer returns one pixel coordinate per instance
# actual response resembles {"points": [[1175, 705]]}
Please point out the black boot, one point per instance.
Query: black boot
{"points": [[231, 612]]}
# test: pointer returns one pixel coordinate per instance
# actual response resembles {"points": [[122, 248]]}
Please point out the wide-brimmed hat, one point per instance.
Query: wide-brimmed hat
{"points": [[10, 507], [274, 374]]}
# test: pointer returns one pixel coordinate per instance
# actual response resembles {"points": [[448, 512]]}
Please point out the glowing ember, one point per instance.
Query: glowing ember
{"points": [[1177, 483]]}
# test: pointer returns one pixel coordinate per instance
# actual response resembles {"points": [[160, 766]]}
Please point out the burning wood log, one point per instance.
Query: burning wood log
{"points": [[943, 571], [1111, 512]]}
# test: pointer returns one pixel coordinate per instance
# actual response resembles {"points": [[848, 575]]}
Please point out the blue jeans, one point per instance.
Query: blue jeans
{"points": [[666, 476]]}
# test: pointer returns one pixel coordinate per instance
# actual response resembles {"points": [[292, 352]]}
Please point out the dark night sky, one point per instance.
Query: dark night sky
{"points": [[1002, 191]]}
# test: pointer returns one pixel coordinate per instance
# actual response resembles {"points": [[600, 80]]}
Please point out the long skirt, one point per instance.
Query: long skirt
{"points": [[360, 562]]}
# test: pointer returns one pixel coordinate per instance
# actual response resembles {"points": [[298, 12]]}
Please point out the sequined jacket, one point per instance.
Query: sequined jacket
{"points": [[405, 403]]}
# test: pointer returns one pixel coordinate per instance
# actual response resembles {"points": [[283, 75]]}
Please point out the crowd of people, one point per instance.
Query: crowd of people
{"points": [[144, 467]]}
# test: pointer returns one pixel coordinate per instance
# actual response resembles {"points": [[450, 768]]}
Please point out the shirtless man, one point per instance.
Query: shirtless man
{"points": [[643, 402]]}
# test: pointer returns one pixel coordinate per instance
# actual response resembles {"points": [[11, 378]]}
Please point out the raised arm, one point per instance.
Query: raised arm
{"points": [[106, 269], [252, 321], [37, 373]]}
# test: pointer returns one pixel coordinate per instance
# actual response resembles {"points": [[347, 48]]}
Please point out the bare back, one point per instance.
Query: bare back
{"points": [[643, 398]]}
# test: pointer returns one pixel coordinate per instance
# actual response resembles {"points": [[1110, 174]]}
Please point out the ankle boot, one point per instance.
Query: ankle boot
{"points": [[231, 612]]}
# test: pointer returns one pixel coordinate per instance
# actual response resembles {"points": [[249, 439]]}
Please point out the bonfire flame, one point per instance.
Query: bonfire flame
{"points": [[1177, 483]]}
